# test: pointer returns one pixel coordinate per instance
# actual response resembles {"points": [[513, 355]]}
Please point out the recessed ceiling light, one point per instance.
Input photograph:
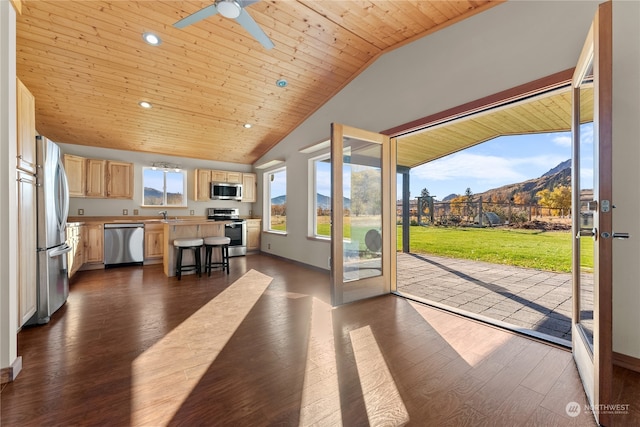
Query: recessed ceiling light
{"points": [[281, 83], [145, 104], [151, 38], [247, 125]]}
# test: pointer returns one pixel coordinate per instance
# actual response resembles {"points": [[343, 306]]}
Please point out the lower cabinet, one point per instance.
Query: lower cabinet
{"points": [[253, 234], [75, 257], [94, 243], [153, 243]]}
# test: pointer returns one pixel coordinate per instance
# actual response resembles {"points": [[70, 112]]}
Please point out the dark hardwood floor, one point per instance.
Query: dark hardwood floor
{"points": [[262, 346]]}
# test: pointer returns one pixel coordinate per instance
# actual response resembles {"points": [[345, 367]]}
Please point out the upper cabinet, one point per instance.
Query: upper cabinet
{"points": [[249, 188], [120, 180], [26, 127], [98, 178], [204, 177], [74, 166], [95, 178], [224, 176]]}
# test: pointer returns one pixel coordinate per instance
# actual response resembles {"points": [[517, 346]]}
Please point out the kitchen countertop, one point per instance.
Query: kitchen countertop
{"points": [[144, 219]]}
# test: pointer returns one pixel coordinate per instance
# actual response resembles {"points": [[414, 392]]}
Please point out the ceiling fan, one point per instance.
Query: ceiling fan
{"points": [[233, 9]]}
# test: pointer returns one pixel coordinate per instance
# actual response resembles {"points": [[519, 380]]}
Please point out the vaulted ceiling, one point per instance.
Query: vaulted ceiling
{"points": [[88, 67]]}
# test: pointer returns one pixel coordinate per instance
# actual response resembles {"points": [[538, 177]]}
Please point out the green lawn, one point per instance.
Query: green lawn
{"points": [[544, 250]]}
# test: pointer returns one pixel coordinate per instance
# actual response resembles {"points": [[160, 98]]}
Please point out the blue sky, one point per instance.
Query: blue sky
{"points": [[500, 161]]}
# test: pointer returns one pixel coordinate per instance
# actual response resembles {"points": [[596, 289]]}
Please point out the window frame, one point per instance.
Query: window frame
{"points": [[312, 232], [266, 177], [164, 204]]}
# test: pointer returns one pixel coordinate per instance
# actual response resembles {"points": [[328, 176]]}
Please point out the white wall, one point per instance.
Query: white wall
{"points": [[626, 176], [508, 45], [114, 207]]}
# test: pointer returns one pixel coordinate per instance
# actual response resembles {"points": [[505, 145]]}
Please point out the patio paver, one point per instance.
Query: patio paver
{"points": [[531, 299]]}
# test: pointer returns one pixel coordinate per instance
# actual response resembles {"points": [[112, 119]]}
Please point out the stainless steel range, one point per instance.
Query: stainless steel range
{"points": [[236, 230]]}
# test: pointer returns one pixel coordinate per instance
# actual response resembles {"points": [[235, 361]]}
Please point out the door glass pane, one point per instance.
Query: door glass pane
{"points": [[588, 208], [362, 214]]}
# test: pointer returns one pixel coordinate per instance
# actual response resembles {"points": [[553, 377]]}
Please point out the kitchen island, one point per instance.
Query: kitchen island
{"points": [[187, 228]]}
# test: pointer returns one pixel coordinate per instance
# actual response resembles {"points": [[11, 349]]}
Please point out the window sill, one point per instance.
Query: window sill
{"points": [[319, 239], [275, 232]]}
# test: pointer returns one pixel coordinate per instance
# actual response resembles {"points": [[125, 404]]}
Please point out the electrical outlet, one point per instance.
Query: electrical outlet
{"points": [[80, 211], [192, 212], [125, 211], [135, 211]]}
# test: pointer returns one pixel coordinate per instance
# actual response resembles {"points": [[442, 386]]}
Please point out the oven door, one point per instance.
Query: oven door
{"points": [[237, 232]]}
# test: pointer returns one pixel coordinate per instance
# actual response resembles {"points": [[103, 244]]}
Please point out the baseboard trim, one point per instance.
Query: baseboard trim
{"points": [[628, 362], [9, 374], [293, 261]]}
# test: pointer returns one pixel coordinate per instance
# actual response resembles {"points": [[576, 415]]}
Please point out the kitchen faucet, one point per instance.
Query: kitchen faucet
{"points": [[164, 214]]}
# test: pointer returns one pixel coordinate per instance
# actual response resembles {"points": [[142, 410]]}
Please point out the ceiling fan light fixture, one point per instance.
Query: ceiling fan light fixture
{"points": [[229, 8]]}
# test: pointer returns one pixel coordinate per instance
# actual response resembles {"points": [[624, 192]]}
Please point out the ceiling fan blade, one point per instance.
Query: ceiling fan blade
{"points": [[254, 29], [197, 16]]}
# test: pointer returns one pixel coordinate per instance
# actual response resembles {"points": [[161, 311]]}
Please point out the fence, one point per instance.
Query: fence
{"points": [[478, 212]]}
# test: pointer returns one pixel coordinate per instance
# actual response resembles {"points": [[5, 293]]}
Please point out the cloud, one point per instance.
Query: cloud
{"points": [[485, 169], [562, 141]]}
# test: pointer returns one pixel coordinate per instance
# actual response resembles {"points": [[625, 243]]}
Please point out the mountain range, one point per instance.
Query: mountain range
{"points": [[322, 201], [554, 177]]}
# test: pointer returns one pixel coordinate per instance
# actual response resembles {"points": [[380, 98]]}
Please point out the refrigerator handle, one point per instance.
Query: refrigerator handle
{"points": [[64, 196], [61, 250]]}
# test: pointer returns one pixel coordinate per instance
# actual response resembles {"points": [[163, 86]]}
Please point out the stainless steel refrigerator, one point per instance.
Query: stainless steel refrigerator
{"points": [[53, 209]]}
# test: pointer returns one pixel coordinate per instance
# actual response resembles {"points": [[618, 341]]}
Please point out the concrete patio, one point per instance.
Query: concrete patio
{"points": [[534, 300]]}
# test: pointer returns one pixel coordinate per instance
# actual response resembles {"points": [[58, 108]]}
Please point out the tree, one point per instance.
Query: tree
{"points": [[559, 199]]}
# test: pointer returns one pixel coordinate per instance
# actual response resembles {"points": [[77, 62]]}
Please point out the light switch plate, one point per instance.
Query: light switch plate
{"points": [[135, 211], [80, 211], [125, 211], [192, 212]]}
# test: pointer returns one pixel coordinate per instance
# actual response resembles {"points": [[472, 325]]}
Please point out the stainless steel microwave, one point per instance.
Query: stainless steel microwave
{"points": [[226, 191]]}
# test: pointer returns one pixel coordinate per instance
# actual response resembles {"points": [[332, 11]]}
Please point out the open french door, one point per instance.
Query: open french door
{"points": [[592, 219], [361, 214]]}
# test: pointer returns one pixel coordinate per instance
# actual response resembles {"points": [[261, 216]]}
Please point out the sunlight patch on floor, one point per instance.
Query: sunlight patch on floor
{"points": [[321, 394], [381, 396], [166, 373], [484, 338]]}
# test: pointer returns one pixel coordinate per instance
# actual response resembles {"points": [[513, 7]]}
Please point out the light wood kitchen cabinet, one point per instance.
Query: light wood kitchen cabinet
{"points": [[94, 243], [26, 128], [225, 176], [153, 243], [95, 178], [76, 241], [201, 183], [119, 180], [249, 188], [204, 177], [98, 178], [253, 234], [27, 246], [74, 166]]}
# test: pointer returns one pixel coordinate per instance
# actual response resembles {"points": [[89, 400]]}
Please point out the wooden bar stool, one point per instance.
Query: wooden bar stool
{"points": [[186, 243], [216, 242]]}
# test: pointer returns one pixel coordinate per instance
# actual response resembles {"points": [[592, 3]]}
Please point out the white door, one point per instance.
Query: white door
{"points": [[592, 208], [361, 214]]}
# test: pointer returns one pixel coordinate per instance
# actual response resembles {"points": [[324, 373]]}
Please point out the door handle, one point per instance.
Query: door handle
{"points": [[620, 235], [586, 232], [614, 235]]}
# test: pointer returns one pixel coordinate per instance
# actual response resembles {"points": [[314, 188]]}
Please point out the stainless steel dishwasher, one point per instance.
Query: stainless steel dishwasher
{"points": [[123, 244]]}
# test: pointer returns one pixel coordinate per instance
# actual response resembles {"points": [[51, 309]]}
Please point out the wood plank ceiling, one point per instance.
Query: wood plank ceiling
{"points": [[88, 67]]}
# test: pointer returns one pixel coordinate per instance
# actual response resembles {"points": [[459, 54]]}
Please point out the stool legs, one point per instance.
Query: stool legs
{"points": [[197, 267], [224, 253]]}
